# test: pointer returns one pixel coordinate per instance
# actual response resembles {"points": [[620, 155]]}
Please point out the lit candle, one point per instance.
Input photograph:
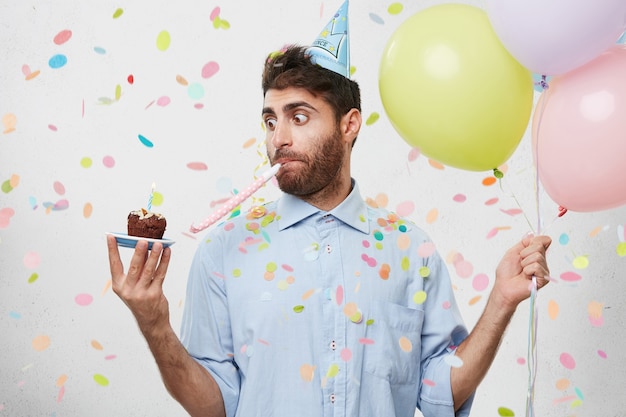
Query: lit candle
{"points": [[151, 197]]}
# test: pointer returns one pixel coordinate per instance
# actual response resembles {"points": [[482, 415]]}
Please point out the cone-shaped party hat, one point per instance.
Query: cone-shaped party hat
{"points": [[331, 49]]}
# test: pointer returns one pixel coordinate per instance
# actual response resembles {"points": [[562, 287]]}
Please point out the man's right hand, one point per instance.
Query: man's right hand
{"points": [[141, 288]]}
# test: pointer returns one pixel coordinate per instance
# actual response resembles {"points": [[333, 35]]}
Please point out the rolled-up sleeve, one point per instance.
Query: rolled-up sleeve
{"points": [[205, 329], [442, 331]]}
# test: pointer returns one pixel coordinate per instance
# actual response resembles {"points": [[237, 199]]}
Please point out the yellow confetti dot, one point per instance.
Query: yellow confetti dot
{"points": [[101, 380], [581, 262], [282, 285], [236, 272], [157, 198], [271, 267], [395, 8], [333, 370], [163, 40], [118, 13], [424, 272], [86, 162], [373, 118], [405, 344], [621, 249], [419, 297], [118, 92]]}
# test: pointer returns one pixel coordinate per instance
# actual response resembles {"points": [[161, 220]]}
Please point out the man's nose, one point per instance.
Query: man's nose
{"points": [[281, 136]]}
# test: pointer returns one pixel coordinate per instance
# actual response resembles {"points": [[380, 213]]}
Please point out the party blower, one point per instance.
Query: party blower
{"points": [[236, 200]]}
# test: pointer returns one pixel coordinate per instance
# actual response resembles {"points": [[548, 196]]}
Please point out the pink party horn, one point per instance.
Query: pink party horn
{"points": [[237, 199]]}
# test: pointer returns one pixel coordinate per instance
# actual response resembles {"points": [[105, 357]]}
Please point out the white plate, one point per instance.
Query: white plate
{"points": [[127, 241]]}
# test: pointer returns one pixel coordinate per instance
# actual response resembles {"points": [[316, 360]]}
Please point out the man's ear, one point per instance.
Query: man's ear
{"points": [[351, 125]]}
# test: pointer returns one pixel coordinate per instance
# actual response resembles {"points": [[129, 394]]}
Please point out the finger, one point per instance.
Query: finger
{"points": [[137, 262], [115, 263], [149, 270], [161, 271]]}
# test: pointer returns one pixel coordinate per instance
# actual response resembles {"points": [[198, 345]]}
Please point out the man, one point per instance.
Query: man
{"points": [[316, 304]]}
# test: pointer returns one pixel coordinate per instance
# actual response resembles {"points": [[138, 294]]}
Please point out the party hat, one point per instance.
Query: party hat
{"points": [[331, 49]]}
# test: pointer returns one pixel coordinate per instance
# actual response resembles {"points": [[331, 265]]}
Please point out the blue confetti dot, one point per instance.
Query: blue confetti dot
{"points": [[195, 91], [564, 239], [57, 61], [15, 315], [99, 50], [377, 19], [145, 141]]}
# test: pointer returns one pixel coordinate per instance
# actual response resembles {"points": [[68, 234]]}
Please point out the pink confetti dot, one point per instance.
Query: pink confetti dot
{"points": [[197, 166], [339, 295], [459, 198], [602, 354], [365, 341], [59, 188], [5, 217], [446, 305], [521, 361], [414, 154], [210, 69], [214, 13], [163, 101], [464, 269], [570, 276], [83, 299], [108, 161], [405, 208], [480, 282], [567, 361], [492, 201], [198, 106], [366, 244], [428, 382], [426, 249], [346, 354], [32, 260], [52, 127], [62, 37]]}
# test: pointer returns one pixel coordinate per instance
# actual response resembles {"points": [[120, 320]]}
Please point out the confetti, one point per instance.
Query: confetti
{"points": [[570, 276], [9, 121], [372, 118], [414, 153], [31, 260], [83, 299], [376, 19], [163, 101], [62, 37], [86, 162], [197, 166], [567, 361], [108, 161], [163, 40], [33, 277], [405, 344], [145, 141], [419, 297], [195, 91], [118, 12], [57, 61], [101, 380], [505, 412], [209, 69], [5, 217], [307, 372], [459, 198], [480, 282], [41, 343]]}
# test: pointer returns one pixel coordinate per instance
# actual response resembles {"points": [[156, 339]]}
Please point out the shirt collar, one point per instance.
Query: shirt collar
{"points": [[352, 210]]}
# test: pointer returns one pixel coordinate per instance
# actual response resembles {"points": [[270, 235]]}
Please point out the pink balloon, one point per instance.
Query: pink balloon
{"points": [[556, 36], [579, 134]]}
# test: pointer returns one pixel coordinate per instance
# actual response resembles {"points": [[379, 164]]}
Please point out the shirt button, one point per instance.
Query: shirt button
{"points": [[332, 398], [333, 345], [329, 249]]}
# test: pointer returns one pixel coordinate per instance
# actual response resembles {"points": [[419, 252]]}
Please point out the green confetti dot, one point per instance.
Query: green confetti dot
{"points": [[378, 235], [298, 309], [6, 186], [236, 272], [505, 412], [271, 267], [118, 92], [33, 277], [498, 174], [424, 272], [395, 8], [369, 322], [352, 70], [86, 162], [101, 380], [373, 118], [118, 13]]}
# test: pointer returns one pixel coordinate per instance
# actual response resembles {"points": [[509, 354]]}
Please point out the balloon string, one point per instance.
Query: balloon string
{"points": [[533, 319]]}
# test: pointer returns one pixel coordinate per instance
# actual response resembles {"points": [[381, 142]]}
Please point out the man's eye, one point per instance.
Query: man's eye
{"points": [[300, 118], [270, 123]]}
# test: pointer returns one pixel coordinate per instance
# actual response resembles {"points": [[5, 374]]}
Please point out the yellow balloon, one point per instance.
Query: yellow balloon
{"points": [[452, 90]]}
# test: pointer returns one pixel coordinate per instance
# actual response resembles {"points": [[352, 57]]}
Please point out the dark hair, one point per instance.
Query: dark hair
{"points": [[292, 67]]}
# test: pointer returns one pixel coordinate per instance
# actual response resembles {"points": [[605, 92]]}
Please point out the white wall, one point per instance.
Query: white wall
{"points": [[61, 119]]}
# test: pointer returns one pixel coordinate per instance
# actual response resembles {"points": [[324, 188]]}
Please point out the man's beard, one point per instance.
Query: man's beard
{"points": [[320, 168]]}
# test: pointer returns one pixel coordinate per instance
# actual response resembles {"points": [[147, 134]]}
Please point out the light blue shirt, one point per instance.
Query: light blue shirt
{"points": [[299, 312]]}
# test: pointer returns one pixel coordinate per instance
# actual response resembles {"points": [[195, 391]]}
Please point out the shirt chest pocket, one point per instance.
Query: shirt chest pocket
{"points": [[393, 345]]}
